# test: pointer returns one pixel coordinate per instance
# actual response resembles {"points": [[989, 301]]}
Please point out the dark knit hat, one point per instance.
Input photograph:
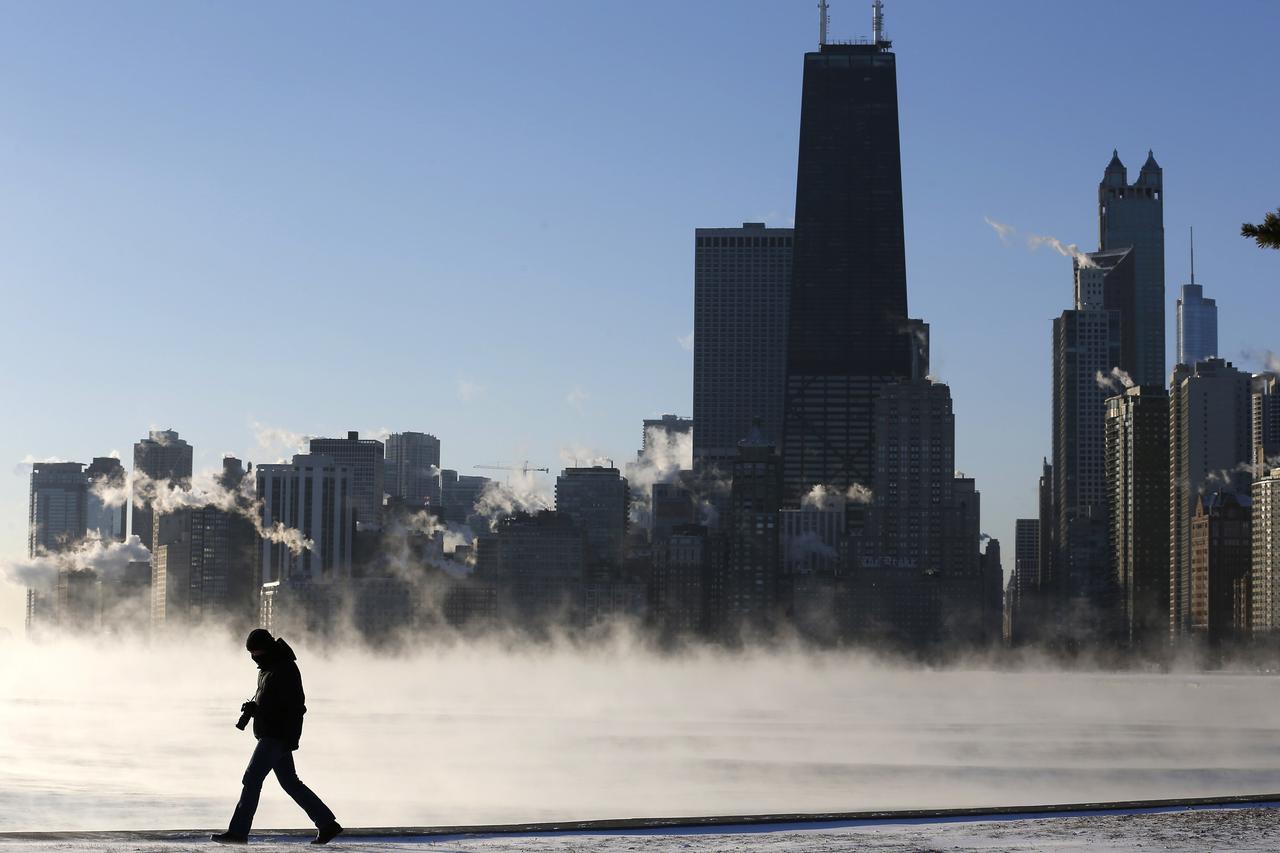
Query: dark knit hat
{"points": [[260, 639]]}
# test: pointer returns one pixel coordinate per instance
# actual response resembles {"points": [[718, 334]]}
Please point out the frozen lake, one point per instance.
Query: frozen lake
{"points": [[136, 736]]}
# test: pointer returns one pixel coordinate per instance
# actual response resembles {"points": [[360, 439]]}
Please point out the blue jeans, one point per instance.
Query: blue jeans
{"points": [[272, 754]]}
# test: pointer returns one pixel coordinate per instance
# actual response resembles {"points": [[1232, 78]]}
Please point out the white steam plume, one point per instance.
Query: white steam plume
{"points": [[665, 455], [1116, 380], [522, 493], [822, 497], [108, 559], [1068, 250], [204, 490], [1004, 232]]}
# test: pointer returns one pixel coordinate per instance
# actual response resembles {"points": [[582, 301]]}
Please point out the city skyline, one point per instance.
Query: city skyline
{"points": [[467, 402]]}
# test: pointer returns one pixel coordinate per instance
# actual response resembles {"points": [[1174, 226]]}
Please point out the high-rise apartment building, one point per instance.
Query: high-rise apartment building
{"points": [[1026, 549], [365, 459], [741, 282], [1265, 422], [1209, 445], [849, 334], [166, 459], [1265, 558], [1220, 563], [749, 593], [1087, 344], [313, 495], [598, 501], [205, 566], [537, 566], [105, 509], [1132, 216], [1137, 475], [413, 468]]}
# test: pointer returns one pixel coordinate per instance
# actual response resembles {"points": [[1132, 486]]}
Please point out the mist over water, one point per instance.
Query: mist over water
{"points": [[130, 735]]}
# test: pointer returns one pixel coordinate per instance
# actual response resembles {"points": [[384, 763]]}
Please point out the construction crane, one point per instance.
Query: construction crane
{"points": [[524, 469]]}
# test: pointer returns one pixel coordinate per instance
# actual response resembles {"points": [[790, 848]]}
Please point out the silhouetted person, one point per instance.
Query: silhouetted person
{"points": [[277, 708]]}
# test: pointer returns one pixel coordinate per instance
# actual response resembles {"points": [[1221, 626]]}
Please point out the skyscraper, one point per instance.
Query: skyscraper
{"points": [[1265, 426], [1087, 344], [598, 501], [1220, 562], [164, 457], [1265, 557], [460, 493], [1197, 321], [749, 593], [205, 566], [312, 495], [1209, 446], [365, 460], [1137, 474], [413, 468], [105, 516], [849, 333], [58, 507], [741, 282], [1132, 216]]}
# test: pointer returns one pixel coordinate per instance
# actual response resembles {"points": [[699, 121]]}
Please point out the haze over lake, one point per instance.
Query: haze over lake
{"points": [[103, 736]]}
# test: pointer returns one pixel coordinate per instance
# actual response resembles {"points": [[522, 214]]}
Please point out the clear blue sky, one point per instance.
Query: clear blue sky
{"points": [[325, 216]]}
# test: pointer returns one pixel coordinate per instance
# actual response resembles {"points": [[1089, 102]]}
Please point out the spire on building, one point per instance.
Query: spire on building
{"points": [[1151, 165], [823, 20], [1193, 254]]}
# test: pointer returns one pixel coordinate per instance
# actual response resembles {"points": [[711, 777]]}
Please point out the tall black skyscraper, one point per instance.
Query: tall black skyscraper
{"points": [[848, 333], [1132, 216]]}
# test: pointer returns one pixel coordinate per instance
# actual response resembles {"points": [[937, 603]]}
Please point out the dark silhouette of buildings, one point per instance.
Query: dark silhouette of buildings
{"points": [[1221, 539], [848, 331], [365, 459], [1137, 472], [683, 563], [598, 501], [1132, 216], [747, 597], [1209, 445], [1265, 422], [413, 468], [459, 494], [741, 282], [1087, 344], [537, 567], [166, 459], [205, 566]]}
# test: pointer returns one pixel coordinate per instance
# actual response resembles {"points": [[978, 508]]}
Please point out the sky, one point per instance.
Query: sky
{"points": [[476, 220]]}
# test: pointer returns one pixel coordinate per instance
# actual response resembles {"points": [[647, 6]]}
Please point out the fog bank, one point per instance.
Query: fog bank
{"points": [[142, 736]]}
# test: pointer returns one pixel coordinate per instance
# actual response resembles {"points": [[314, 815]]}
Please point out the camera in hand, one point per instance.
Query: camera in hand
{"points": [[246, 714]]}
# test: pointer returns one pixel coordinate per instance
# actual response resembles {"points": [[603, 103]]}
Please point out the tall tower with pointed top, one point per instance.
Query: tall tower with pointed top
{"points": [[848, 332], [1132, 216]]}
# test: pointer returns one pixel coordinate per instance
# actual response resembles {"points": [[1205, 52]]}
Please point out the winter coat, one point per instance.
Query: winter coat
{"points": [[280, 700]]}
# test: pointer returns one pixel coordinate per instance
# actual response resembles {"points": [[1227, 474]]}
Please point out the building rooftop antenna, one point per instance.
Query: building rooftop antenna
{"points": [[877, 22], [1193, 254], [823, 20]]}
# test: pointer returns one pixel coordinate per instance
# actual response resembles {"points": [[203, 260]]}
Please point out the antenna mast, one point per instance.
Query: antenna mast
{"points": [[823, 20], [877, 22], [1193, 254]]}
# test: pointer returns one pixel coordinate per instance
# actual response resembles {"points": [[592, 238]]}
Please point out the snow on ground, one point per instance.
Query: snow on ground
{"points": [[1243, 830]]}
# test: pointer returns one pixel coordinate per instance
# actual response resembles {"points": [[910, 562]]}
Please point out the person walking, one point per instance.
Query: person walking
{"points": [[277, 708]]}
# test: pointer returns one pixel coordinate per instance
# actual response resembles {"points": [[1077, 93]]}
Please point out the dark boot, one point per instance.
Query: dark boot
{"points": [[327, 833], [228, 838]]}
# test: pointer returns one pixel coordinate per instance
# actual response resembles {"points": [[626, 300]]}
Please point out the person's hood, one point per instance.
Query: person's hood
{"points": [[281, 650], [278, 652]]}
